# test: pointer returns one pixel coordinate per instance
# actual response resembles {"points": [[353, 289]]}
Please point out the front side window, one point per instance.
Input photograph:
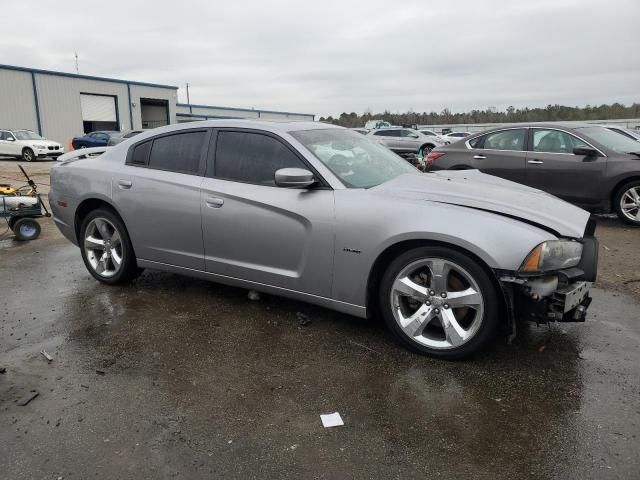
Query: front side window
{"points": [[252, 157], [505, 140], [409, 134], [177, 153], [428, 132], [359, 162], [554, 141]]}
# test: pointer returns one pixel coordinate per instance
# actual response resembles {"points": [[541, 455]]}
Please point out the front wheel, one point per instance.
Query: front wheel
{"points": [[425, 150], [440, 302], [106, 248], [28, 155], [627, 203]]}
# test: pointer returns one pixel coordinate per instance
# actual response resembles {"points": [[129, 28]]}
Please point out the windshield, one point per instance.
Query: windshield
{"points": [[27, 135], [612, 140], [356, 160]]}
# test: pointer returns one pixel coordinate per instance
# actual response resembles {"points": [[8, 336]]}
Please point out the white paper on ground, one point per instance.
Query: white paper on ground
{"points": [[331, 420]]}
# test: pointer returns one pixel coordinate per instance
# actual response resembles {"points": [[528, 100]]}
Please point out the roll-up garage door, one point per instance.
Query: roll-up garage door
{"points": [[98, 108]]}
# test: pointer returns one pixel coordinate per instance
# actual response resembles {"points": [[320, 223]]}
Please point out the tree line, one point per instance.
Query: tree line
{"points": [[491, 115]]}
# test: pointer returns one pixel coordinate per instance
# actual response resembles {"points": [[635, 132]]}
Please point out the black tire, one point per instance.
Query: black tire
{"points": [[28, 155], [618, 198], [425, 150], [490, 296], [128, 269], [26, 229]]}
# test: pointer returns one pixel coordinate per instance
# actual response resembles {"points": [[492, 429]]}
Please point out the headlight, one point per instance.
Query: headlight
{"points": [[552, 255]]}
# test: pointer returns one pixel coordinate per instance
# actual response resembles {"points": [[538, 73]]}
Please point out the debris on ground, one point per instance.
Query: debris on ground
{"points": [[27, 398], [303, 319], [100, 372], [364, 346], [84, 386], [47, 356], [331, 420], [253, 296], [3, 370]]}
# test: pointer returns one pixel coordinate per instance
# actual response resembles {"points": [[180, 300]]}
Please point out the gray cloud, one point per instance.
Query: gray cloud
{"points": [[333, 56]]}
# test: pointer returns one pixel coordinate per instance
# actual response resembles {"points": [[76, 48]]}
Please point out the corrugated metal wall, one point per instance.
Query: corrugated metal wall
{"points": [[142, 91], [17, 108], [242, 113]]}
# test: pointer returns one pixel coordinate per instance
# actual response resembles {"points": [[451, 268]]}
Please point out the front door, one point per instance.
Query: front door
{"points": [[158, 195], [553, 167], [256, 231]]}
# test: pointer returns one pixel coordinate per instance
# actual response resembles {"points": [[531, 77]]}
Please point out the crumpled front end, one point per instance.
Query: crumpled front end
{"points": [[560, 295]]}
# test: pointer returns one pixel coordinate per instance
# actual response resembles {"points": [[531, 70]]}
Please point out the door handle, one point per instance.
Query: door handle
{"points": [[535, 162], [125, 184], [214, 202], [479, 157]]}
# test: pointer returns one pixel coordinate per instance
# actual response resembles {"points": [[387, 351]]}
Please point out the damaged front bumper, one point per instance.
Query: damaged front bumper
{"points": [[561, 296]]}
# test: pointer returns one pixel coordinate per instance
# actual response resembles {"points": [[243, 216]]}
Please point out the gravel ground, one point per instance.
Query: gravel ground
{"points": [[172, 377]]}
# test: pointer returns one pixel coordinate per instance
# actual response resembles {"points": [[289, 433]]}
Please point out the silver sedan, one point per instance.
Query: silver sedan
{"points": [[325, 215]]}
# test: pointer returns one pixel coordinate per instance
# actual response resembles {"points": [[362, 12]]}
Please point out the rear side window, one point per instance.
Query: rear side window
{"points": [[252, 157], [178, 153], [554, 141], [506, 140], [388, 133], [141, 153]]}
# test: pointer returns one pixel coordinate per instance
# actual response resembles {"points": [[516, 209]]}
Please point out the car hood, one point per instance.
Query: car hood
{"points": [[41, 143], [473, 189]]}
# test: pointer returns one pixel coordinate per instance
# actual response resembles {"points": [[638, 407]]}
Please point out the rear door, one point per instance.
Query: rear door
{"points": [[157, 193], [390, 138], [410, 141], [553, 167], [501, 153], [256, 231]]}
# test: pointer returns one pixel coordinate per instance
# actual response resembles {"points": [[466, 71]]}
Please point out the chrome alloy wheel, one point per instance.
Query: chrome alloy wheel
{"points": [[437, 303], [630, 204], [103, 247]]}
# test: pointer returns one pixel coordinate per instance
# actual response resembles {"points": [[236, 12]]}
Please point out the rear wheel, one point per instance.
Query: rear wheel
{"points": [[106, 248], [28, 155], [627, 202], [439, 302], [26, 229], [425, 150]]}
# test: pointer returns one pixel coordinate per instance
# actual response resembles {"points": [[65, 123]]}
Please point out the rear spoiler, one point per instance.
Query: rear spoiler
{"points": [[82, 153]]}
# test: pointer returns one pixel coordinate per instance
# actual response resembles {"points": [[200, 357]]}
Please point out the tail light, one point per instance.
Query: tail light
{"points": [[432, 157]]}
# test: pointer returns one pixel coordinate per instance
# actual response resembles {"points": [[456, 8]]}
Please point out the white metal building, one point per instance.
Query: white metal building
{"points": [[61, 105]]}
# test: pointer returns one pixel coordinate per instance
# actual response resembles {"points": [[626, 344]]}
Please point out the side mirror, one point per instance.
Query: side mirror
{"points": [[11, 139], [585, 151], [294, 178]]}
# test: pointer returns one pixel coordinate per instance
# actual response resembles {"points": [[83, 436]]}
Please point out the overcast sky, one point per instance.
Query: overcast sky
{"points": [[326, 57]]}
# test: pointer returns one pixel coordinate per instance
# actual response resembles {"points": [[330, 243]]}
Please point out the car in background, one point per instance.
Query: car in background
{"points": [[431, 133], [363, 131], [119, 137], [93, 139], [405, 141], [627, 132], [452, 137], [28, 145], [322, 214], [588, 165], [373, 124]]}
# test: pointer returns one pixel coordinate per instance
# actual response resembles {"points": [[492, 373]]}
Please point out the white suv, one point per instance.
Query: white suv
{"points": [[27, 145]]}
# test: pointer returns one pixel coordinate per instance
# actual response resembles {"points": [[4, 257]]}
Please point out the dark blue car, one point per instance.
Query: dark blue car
{"points": [[93, 139]]}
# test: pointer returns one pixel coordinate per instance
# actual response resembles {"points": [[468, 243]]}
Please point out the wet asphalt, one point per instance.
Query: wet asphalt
{"points": [[172, 377]]}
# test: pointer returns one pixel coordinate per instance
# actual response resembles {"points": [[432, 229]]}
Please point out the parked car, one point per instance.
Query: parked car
{"points": [[119, 137], [93, 139], [452, 137], [373, 124], [587, 165], [406, 140], [627, 132], [28, 145], [431, 133], [445, 258]]}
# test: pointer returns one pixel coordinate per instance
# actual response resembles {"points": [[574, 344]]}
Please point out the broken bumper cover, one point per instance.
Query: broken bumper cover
{"points": [[561, 296]]}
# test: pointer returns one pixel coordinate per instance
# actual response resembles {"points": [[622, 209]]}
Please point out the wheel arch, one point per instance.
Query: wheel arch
{"points": [[384, 259], [619, 185], [87, 206]]}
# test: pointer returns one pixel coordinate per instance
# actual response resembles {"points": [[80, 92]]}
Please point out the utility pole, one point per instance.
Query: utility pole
{"points": [[77, 68]]}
